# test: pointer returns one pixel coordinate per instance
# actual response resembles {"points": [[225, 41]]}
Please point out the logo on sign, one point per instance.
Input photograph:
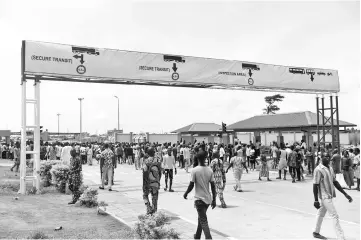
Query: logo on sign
{"points": [[81, 69], [79, 55], [175, 59]]}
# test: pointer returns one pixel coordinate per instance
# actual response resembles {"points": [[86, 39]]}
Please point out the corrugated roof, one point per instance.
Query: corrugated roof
{"points": [[199, 127], [285, 120]]}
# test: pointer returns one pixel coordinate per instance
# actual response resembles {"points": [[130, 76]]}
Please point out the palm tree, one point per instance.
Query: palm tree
{"points": [[271, 108]]}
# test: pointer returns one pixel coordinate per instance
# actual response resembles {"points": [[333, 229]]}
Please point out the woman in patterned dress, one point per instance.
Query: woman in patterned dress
{"points": [[237, 163], [282, 164], [264, 171], [52, 152], [75, 177], [346, 167], [219, 177], [89, 150]]}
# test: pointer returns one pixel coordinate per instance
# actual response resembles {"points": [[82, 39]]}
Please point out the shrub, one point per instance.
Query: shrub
{"points": [[31, 191], [61, 176], [38, 235], [83, 188], [102, 204], [45, 167], [89, 198], [154, 227]]}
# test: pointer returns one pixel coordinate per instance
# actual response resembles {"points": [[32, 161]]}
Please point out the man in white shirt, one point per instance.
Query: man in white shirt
{"points": [[168, 165], [303, 144], [181, 157], [65, 154], [324, 184], [248, 154], [221, 152], [187, 157], [58, 151]]}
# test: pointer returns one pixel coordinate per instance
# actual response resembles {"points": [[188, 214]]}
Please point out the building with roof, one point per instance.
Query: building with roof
{"points": [[304, 122], [207, 132]]}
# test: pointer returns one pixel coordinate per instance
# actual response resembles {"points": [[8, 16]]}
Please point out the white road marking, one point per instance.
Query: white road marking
{"points": [[291, 209]]}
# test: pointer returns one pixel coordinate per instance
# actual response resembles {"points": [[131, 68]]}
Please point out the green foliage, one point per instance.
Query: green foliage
{"points": [[61, 173], [45, 167], [38, 235], [89, 198], [271, 108], [154, 227], [31, 191], [102, 204]]}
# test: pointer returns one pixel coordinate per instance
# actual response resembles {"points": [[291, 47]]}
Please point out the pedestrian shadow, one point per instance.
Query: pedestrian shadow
{"points": [[245, 191], [230, 206]]}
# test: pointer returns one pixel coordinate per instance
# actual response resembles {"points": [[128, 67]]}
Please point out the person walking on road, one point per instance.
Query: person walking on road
{"points": [[282, 165], [237, 164], [187, 157], [243, 155], [168, 166], [252, 157], [89, 151], [310, 158], [264, 171], [291, 161], [181, 157], [107, 169], [152, 173], [119, 151], [219, 177], [137, 157], [324, 184], [201, 178], [346, 166], [16, 157], [356, 163]]}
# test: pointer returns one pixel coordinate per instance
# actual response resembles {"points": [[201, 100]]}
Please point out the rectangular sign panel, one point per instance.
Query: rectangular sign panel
{"points": [[50, 59]]}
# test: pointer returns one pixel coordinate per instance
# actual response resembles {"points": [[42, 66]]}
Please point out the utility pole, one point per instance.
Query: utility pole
{"points": [[80, 100], [58, 124], [118, 111]]}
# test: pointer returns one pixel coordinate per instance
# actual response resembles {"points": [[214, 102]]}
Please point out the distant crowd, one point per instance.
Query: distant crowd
{"points": [[210, 162], [296, 159]]}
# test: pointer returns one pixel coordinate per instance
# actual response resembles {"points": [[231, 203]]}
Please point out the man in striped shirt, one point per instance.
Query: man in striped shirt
{"points": [[324, 184]]}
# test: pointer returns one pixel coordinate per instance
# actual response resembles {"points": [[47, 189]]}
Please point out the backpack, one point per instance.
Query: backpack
{"points": [[153, 174]]}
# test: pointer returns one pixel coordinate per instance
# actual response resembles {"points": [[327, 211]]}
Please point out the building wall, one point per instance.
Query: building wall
{"points": [[290, 137], [124, 137], [201, 139], [163, 138]]}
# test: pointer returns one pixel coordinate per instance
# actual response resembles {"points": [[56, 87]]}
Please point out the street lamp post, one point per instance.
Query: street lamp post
{"points": [[58, 124], [118, 111], [80, 99]]}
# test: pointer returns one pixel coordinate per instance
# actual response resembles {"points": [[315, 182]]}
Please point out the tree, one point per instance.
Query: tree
{"points": [[270, 100]]}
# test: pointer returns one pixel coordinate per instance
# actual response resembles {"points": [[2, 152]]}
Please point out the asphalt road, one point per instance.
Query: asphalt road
{"points": [[265, 210]]}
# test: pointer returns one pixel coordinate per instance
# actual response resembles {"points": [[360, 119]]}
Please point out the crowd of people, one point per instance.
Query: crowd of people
{"points": [[296, 159], [210, 163]]}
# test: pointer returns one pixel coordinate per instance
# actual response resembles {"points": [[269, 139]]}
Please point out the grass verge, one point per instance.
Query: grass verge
{"points": [[37, 216]]}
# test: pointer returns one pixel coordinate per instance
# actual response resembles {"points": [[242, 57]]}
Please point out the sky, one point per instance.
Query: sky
{"points": [[311, 34]]}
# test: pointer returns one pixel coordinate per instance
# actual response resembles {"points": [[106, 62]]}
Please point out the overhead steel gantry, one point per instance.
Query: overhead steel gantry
{"points": [[60, 62]]}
